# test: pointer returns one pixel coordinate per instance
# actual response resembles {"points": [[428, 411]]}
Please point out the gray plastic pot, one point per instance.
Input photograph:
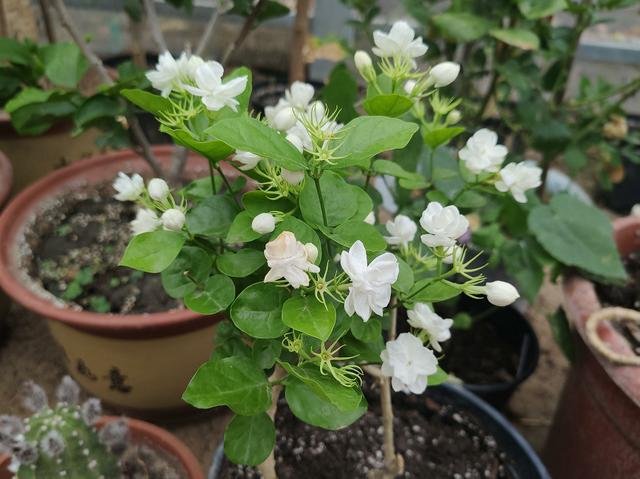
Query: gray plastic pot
{"points": [[523, 462]]}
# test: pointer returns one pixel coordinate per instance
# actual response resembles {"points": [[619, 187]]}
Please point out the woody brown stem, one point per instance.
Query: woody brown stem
{"points": [[244, 31], [268, 467], [299, 42]]}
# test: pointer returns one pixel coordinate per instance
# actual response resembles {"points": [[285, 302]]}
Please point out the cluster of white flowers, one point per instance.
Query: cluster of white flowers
{"points": [[483, 154], [291, 260], [443, 224], [200, 78], [158, 195], [400, 43]]}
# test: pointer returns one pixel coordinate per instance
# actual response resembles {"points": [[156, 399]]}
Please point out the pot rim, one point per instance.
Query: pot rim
{"points": [[158, 437], [6, 178], [580, 301], [20, 210]]}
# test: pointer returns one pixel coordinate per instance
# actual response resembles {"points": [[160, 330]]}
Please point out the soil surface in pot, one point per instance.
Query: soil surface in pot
{"points": [[77, 243], [436, 440], [480, 354], [142, 461], [626, 296]]}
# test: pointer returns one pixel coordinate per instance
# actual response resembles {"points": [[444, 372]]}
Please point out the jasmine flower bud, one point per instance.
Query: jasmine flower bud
{"points": [[263, 223], [173, 219], [158, 189], [501, 293], [312, 252], [444, 74]]}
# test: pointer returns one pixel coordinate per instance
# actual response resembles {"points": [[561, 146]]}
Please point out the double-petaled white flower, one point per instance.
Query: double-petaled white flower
{"points": [[402, 230], [482, 153], [501, 293], [438, 328], [400, 42], [129, 188], [247, 159], [288, 258], [296, 100], [408, 363], [517, 178], [171, 73], [263, 223], [216, 94], [146, 220], [370, 289], [444, 74], [173, 219], [443, 225]]}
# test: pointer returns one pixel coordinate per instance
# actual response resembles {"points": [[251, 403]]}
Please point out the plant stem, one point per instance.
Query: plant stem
{"points": [[154, 25], [213, 178], [268, 467], [321, 200], [208, 30], [244, 31], [299, 41], [228, 185]]}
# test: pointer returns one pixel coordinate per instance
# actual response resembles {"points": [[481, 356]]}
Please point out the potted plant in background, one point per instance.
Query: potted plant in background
{"points": [[75, 440], [310, 286], [602, 394]]}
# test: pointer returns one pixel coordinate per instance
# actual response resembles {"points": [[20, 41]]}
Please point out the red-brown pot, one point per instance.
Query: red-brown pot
{"points": [[143, 432], [139, 362], [6, 178], [596, 430]]}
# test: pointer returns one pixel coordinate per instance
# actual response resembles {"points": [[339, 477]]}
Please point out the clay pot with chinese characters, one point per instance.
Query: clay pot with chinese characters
{"points": [[135, 362]]}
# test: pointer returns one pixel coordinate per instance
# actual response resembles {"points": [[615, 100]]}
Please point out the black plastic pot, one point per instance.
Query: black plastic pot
{"points": [[515, 331], [522, 461]]}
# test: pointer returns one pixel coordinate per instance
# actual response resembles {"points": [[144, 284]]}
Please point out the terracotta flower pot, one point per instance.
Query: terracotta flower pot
{"points": [[143, 432], [140, 362], [596, 430], [6, 178]]}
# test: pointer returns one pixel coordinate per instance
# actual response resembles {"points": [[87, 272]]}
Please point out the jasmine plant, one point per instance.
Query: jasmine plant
{"points": [[309, 284]]}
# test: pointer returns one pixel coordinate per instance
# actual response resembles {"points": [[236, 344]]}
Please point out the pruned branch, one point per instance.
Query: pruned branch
{"points": [[244, 31]]}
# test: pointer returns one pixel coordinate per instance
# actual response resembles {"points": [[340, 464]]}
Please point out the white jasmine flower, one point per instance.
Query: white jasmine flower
{"points": [[518, 178], [263, 223], [438, 329], [312, 252], [444, 74], [501, 293], [362, 60], [402, 230], [454, 117], [452, 253], [168, 73], [482, 153], [289, 259], [296, 100], [128, 188], [215, 94], [408, 363], [158, 189], [292, 177], [247, 159], [146, 221], [409, 86], [370, 218], [68, 391], [293, 138], [52, 444], [399, 42], [299, 95], [172, 219], [443, 225], [370, 290]]}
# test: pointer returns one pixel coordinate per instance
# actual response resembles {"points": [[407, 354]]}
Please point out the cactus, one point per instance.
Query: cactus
{"points": [[62, 441]]}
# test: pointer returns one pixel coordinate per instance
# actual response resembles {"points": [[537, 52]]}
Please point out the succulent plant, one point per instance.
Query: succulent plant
{"points": [[62, 441]]}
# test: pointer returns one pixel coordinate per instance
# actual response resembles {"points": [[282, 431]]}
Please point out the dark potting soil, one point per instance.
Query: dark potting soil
{"points": [[141, 461], [626, 296], [439, 442], [76, 246], [480, 354]]}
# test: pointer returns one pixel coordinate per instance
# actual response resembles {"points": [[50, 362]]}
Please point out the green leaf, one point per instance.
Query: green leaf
{"points": [[462, 27], [577, 234], [341, 93], [575, 159], [561, 332], [265, 352], [28, 96], [242, 98], [405, 279], [365, 352], [517, 37], [212, 216], [153, 252], [348, 233], [192, 260], [213, 296], [427, 291], [367, 136], [534, 9], [235, 382], [438, 377], [309, 316], [12, 51], [249, 134], [154, 104], [521, 264], [325, 386], [441, 136], [257, 311], [385, 167], [201, 188], [213, 150], [240, 230], [64, 64], [390, 105], [256, 202], [312, 408], [95, 108], [303, 232], [242, 263], [249, 439], [340, 202], [367, 332]]}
